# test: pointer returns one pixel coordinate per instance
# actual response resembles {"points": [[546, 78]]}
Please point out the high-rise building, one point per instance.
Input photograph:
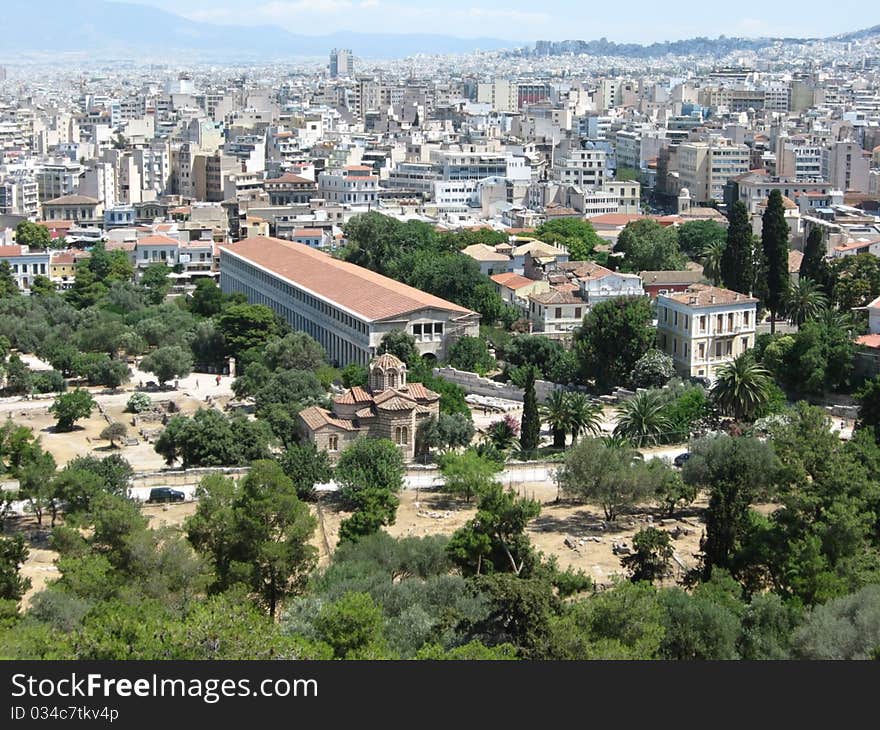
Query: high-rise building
{"points": [[341, 62]]}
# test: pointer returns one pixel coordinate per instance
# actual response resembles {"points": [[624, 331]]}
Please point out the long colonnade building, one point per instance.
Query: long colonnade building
{"points": [[346, 308]]}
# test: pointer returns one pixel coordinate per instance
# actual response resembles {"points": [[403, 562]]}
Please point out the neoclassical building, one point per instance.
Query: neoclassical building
{"points": [[388, 408]]}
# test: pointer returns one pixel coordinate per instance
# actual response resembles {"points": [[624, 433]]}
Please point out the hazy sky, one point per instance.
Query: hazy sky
{"points": [[528, 20]]}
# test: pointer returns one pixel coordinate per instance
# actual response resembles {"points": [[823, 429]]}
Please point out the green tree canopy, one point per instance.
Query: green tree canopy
{"points": [[33, 235], [738, 264], [694, 236], [615, 335], [468, 474], [244, 326], [167, 363], [68, 408], [648, 246], [155, 280], [774, 244]]}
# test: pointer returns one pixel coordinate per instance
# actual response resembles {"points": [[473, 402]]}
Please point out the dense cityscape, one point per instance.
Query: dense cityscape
{"points": [[567, 349]]}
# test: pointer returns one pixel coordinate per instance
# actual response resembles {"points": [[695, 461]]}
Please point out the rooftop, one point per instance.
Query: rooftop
{"points": [[511, 280], [482, 252], [703, 295], [368, 294], [72, 200]]}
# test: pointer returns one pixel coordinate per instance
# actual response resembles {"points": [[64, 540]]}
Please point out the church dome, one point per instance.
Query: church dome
{"points": [[387, 371]]}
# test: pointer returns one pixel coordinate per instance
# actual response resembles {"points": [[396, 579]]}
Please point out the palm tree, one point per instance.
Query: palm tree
{"points": [[557, 414], [742, 387], [805, 300], [711, 257], [641, 419], [586, 416], [503, 434], [835, 320]]}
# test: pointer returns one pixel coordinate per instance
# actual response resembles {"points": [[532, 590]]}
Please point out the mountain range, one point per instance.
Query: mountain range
{"points": [[110, 29], [691, 46], [103, 30]]}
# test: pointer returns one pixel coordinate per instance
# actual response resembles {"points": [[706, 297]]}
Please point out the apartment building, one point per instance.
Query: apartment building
{"points": [[56, 179], [627, 193], [797, 158], [581, 167], [845, 166], [705, 167], [19, 195], [754, 187], [354, 185], [341, 62], [705, 327], [346, 308]]}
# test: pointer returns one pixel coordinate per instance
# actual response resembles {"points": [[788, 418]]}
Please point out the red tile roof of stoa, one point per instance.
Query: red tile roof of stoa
{"points": [[369, 295]]}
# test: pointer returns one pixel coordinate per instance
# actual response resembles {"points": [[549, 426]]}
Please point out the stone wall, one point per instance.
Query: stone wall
{"points": [[473, 383]]}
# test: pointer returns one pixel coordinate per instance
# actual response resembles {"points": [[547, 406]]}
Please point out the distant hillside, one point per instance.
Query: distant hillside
{"points": [[102, 28], [700, 46]]}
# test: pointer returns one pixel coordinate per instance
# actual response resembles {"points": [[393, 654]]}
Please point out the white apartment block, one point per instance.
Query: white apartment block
{"points": [[845, 166], [57, 179], [705, 167], [584, 168], [480, 165], [755, 188], [354, 185], [627, 193], [799, 160], [19, 195], [705, 327], [598, 284]]}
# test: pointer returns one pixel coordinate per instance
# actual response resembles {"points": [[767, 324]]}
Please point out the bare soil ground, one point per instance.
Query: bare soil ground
{"points": [[424, 512], [85, 438], [431, 512]]}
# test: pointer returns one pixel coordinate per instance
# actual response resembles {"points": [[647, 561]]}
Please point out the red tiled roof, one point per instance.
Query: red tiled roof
{"points": [[872, 341], [394, 401], [420, 392], [307, 232], [316, 418], [511, 280], [615, 219], [368, 294], [556, 296], [354, 395], [289, 177], [10, 250], [157, 241], [707, 296]]}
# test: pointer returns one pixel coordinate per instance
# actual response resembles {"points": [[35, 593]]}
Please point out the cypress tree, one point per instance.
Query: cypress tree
{"points": [[774, 244], [813, 263], [530, 426], [738, 261]]}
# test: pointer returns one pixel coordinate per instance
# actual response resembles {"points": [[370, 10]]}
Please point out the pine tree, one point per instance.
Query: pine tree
{"points": [[530, 426], [813, 264], [737, 263], [774, 245]]}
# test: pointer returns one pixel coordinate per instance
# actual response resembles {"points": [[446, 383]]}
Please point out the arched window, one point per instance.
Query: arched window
{"points": [[392, 379], [404, 435], [333, 443]]}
